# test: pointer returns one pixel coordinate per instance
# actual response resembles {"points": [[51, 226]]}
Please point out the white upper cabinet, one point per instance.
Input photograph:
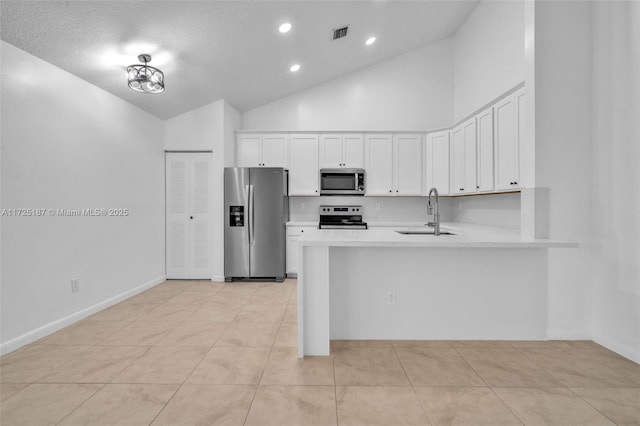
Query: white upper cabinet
{"points": [[378, 156], [353, 151], [463, 158], [303, 165], [393, 164], [509, 122], [407, 164], [341, 151], [267, 150], [485, 151], [436, 162]]}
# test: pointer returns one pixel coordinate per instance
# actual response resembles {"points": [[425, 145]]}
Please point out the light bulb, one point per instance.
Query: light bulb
{"points": [[295, 68], [370, 41], [284, 28]]}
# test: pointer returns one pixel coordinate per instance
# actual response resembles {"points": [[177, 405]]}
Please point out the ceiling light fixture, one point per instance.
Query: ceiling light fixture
{"points": [[284, 28], [370, 41], [145, 78], [294, 68]]}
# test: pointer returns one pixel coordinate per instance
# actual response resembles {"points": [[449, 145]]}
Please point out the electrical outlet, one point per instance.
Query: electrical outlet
{"points": [[75, 285], [391, 298]]}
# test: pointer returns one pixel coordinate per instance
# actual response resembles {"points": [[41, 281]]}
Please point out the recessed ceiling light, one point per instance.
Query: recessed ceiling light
{"points": [[370, 41], [294, 68], [284, 28]]}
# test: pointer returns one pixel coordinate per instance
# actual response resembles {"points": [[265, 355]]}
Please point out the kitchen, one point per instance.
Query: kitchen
{"points": [[105, 152]]}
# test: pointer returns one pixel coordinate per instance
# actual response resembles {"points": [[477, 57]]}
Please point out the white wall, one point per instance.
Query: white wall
{"points": [[563, 55], [409, 92], [488, 55], [69, 145], [208, 128], [616, 191]]}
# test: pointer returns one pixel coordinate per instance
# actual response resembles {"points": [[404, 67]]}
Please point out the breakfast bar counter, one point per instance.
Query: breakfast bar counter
{"points": [[480, 283]]}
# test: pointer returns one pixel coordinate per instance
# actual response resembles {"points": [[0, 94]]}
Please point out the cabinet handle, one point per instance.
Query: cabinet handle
{"points": [[515, 183], [190, 217], [397, 190], [390, 191], [477, 186], [461, 189]]}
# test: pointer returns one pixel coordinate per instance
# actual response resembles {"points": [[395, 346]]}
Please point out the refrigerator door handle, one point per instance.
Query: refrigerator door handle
{"points": [[247, 206], [251, 214]]}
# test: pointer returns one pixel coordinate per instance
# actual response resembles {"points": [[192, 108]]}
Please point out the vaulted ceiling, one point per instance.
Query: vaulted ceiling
{"points": [[210, 50]]}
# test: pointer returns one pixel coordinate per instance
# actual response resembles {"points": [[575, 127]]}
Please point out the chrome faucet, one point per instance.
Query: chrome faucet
{"points": [[434, 211]]}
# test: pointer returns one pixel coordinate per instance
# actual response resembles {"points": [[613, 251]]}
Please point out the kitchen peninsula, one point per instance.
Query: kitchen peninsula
{"points": [[480, 283]]}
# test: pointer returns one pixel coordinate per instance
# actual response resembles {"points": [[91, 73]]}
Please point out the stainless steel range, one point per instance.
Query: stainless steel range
{"points": [[341, 217]]}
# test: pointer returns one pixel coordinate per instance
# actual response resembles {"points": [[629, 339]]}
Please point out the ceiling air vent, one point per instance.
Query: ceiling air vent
{"points": [[340, 33]]}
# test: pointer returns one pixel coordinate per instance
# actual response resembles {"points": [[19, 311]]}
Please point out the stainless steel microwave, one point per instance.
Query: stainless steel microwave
{"points": [[342, 182]]}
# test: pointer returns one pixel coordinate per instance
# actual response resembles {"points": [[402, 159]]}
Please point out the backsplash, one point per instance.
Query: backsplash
{"points": [[492, 209], [376, 209]]}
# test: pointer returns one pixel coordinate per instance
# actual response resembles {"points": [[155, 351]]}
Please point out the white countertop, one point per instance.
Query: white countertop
{"points": [[294, 223], [466, 235]]}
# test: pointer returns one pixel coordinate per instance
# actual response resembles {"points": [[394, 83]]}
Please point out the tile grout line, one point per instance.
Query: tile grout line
{"points": [[507, 405], [257, 386], [211, 348], [413, 389], [589, 404], [82, 403], [470, 366]]}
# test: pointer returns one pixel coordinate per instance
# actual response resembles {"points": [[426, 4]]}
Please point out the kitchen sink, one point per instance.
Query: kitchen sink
{"points": [[424, 232]]}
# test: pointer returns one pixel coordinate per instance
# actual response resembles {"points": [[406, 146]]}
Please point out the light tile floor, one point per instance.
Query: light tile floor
{"points": [[202, 353]]}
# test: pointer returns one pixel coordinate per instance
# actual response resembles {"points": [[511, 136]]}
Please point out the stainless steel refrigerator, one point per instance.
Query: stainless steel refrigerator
{"points": [[256, 209]]}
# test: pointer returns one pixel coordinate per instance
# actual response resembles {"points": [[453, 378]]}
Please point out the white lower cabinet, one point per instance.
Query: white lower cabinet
{"points": [[294, 233]]}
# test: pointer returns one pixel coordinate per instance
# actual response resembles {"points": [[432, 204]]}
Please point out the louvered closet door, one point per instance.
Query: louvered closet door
{"points": [[188, 215]]}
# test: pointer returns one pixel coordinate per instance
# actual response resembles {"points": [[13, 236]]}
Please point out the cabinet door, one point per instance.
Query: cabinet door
{"points": [[353, 151], [520, 120], [464, 158], [407, 164], [248, 151], [485, 151], [274, 150], [303, 165], [331, 151], [470, 169], [379, 164], [457, 160], [437, 162], [506, 150]]}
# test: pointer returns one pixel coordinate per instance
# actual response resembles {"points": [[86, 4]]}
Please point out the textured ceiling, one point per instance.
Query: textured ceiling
{"points": [[210, 50]]}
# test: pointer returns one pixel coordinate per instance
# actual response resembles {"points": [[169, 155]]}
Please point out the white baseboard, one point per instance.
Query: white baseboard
{"points": [[565, 334], [59, 324], [218, 278], [626, 351]]}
